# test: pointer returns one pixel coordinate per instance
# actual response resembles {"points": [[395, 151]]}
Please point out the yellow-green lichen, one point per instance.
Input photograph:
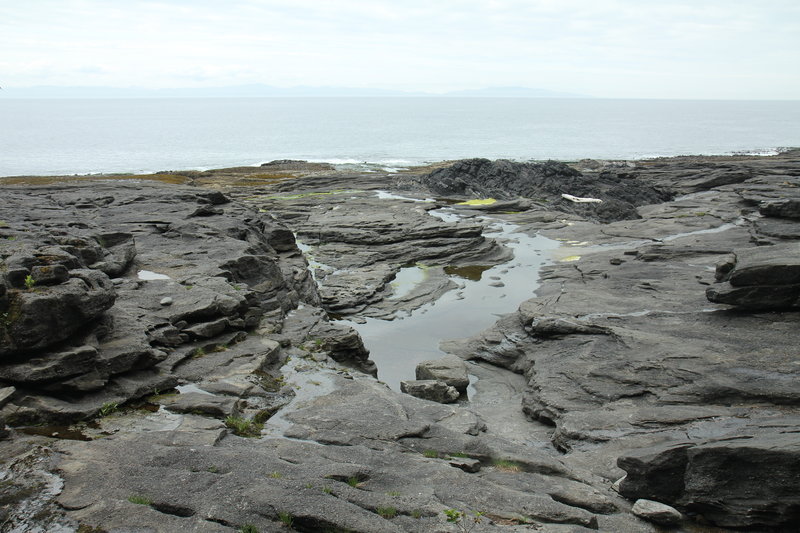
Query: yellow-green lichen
{"points": [[479, 201]]}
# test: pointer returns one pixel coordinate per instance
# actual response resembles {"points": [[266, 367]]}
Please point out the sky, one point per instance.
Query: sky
{"points": [[719, 49]]}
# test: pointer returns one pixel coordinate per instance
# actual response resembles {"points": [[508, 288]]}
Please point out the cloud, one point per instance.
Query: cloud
{"points": [[623, 47]]}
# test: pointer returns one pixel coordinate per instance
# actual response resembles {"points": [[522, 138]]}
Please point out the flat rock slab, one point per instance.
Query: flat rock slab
{"points": [[451, 370], [193, 430], [466, 464], [202, 404]]}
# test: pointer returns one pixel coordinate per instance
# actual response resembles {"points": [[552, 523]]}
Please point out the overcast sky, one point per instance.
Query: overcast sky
{"points": [[607, 48]]}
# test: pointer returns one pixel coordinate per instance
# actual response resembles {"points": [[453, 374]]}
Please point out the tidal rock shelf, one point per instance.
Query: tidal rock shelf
{"points": [[172, 361]]}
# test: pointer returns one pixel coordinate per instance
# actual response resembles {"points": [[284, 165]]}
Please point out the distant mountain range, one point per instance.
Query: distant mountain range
{"points": [[258, 90]]}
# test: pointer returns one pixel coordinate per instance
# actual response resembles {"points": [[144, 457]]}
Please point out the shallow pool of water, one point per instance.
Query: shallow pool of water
{"points": [[397, 346], [147, 275]]}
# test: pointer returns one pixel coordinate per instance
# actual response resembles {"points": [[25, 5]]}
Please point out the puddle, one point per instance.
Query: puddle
{"points": [[308, 380], [384, 195], [718, 229], [56, 432], [314, 265], [191, 387], [483, 295], [406, 280], [448, 215], [471, 272], [147, 275]]}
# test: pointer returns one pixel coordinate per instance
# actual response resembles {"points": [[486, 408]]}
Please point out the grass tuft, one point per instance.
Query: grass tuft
{"points": [[506, 466], [286, 518], [386, 512], [244, 427], [140, 500]]}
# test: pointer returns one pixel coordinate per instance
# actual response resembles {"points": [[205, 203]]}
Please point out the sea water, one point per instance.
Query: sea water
{"points": [[77, 136]]}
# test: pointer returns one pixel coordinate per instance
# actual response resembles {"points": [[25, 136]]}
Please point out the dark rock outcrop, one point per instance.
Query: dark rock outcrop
{"points": [[749, 479], [766, 277], [619, 191]]}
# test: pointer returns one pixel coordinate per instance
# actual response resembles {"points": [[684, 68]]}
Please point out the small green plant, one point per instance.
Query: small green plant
{"points": [[140, 500], [431, 454], [243, 427], [460, 455], [198, 353], [275, 475], [248, 528], [506, 466], [393, 493], [29, 282], [286, 518], [353, 481], [108, 408], [386, 512], [309, 485], [327, 490], [213, 469], [83, 528], [463, 521], [416, 513]]}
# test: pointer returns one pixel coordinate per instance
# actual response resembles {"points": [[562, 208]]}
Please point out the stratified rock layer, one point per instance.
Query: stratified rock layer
{"points": [[86, 271]]}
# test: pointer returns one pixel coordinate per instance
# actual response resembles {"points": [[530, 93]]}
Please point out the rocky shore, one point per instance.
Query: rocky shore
{"points": [[180, 351]]}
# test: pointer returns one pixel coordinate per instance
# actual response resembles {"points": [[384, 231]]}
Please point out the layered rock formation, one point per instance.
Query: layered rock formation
{"points": [[106, 290], [187, 325], [622, 351]]}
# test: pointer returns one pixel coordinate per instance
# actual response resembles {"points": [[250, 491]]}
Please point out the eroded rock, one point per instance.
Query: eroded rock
{"points": [[430, 389]]}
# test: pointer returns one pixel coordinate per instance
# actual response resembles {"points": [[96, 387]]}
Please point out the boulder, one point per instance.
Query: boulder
{"points": [[430, 389], [450, 370], [656, 512], [344, 345]]}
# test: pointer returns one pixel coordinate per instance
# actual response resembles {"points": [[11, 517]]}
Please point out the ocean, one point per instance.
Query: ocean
{"points": [[80, 136]]}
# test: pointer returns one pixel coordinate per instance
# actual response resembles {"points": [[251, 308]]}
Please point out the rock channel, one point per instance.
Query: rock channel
{"points": [[171, 359]]}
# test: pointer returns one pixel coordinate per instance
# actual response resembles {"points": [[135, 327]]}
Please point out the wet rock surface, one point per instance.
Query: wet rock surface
{"points": [[202, 382]]}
